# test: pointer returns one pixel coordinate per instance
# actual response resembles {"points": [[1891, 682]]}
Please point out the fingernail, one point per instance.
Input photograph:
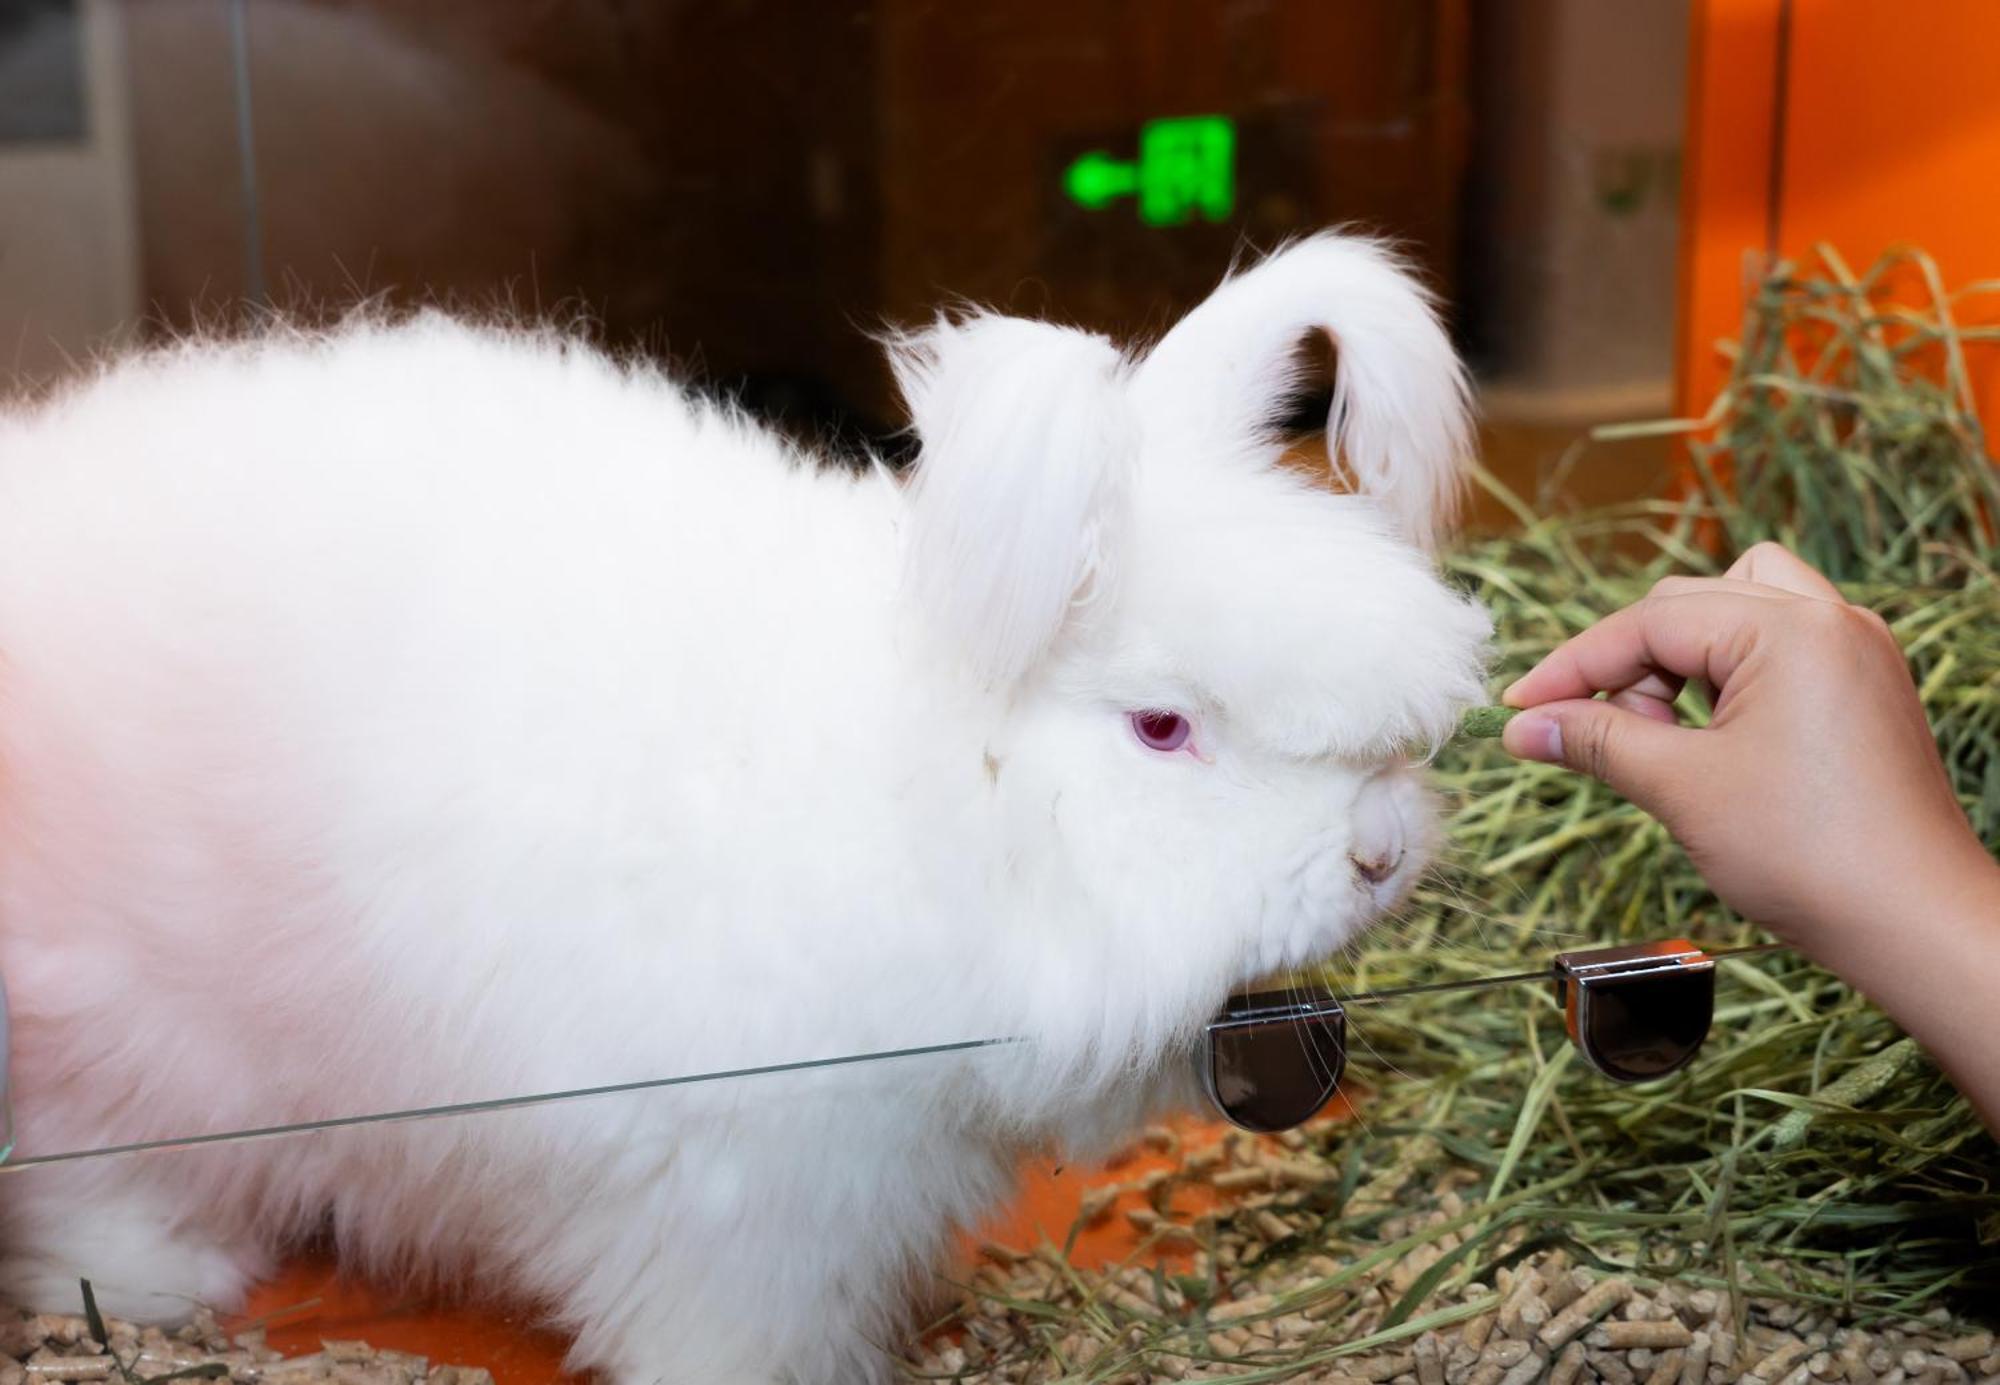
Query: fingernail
{"points": [[1534, 736]]}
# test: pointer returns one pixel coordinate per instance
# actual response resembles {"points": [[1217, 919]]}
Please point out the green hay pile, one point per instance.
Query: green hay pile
{"points": [[1806, 1135], [1811, 1157]]}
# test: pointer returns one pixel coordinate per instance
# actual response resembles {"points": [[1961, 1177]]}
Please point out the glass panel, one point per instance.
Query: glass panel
{"points": [[747, 1138]]}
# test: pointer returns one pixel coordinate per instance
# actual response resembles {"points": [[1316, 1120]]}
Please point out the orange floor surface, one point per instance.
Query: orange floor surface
{"points": [[309, 1302]]}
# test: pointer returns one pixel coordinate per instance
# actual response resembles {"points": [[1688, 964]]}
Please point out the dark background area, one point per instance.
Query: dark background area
{"points": [[747, 188]]}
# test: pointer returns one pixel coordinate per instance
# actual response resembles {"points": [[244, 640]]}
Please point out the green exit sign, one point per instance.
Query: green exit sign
{"points": [[1186, 168]]}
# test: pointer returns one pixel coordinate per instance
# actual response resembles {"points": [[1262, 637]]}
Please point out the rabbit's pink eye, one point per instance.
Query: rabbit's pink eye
{"points": [[1161, 730]]}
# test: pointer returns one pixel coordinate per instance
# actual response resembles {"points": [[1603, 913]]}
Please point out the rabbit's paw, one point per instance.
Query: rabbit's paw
{"points": [[140, 1266]]}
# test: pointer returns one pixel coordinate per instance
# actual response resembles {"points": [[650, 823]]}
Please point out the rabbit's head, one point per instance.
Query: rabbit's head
{"points": [[1205, 678]]}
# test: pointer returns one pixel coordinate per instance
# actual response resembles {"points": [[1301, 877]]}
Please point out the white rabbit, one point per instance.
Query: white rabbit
{"points": [[421, 713]]}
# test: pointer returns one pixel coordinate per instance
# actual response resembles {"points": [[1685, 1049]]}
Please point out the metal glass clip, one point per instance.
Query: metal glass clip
{"points": [[1270, 1061], [1640, 1012]]}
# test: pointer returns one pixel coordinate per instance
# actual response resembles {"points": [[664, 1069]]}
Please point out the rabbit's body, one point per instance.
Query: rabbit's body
{"points": [[423, 714]]}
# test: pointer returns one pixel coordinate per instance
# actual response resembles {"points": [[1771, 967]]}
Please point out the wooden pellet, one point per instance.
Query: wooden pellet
{"points": [[1429, 1354], [1115, 1293], [1566, 1289], [1624, 1336], [1722, 1352], [1270, 1225], [1297, 1173], [1527, 1290], [362, 1373], [1778, 1364], [1527, 1370], [1242, 1308], [1237, 1180], [1095, 1205], [1694, 1365], [1667, 1369], [984, 1331], [66, 1329], [71, 1368], [1201, 1162], [1611, 1367], [1568, 1365], [1412, 1267], [1601, 1299]]}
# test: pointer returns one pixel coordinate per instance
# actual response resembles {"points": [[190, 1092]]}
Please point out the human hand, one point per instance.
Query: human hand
{"points": [[1814, 802]]}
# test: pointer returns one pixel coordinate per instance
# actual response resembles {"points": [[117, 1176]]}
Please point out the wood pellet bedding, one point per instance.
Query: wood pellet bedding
{"points": [[1281, 1289], [52, 1347], [1270, 1286]]}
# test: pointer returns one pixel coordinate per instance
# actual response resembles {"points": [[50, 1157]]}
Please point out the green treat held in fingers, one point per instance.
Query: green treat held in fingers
{"points": [[1486, 723]]}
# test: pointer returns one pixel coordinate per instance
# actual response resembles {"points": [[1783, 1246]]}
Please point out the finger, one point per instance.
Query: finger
{"points": [[1646, 705], [1774, 565], [1636, 755], [1688, 586], [1703, 634], [1654, 686]]}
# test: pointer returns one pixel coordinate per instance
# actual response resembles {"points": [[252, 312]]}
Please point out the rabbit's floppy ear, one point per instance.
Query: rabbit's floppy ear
{"points": [[1401, 406], [1025, 438]]}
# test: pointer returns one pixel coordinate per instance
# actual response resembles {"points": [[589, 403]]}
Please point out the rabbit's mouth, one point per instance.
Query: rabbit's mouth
{"points": [[1333, 902]]}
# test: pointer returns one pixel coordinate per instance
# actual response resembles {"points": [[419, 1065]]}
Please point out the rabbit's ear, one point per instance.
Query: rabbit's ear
{"points": [[1025, 439], [1401, 407]]}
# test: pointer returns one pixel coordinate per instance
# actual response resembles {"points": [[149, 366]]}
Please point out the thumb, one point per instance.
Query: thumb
{"points": [[1634, 754]]}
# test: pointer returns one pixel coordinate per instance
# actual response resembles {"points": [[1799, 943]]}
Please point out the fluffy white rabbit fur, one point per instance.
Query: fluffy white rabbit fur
{"points": [[427, 712]]}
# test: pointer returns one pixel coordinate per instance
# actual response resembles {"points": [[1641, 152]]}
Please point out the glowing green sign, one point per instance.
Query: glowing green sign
{"points": [[1186, 165]]}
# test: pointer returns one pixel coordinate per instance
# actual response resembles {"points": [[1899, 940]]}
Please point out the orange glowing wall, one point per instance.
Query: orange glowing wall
{"points": [[1863, 123]]}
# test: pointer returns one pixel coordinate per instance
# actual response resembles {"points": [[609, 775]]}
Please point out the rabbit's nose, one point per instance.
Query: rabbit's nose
{"points": [[1379, 842], [1376, 869]]}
